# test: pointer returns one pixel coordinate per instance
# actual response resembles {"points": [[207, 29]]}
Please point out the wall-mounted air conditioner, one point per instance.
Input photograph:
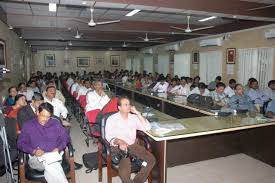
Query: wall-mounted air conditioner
{"points": [[211, 42], [269, 34]]}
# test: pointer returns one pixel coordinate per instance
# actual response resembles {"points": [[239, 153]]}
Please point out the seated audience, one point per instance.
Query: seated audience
{"points": [[58, 93], [161, 86], [256, 95], [33, 86], [29, 111], [42, 135], [229, 90], [120, 132], [270, 111], [184, 89], [11, 98], [96, 99], [60, 110], [201, 90], [195, 83], [219, 96], [212, 84], [173, 87], [11, 111], [146, 81], [240, 101], [22, 89], [84, 89], [270, 91]]}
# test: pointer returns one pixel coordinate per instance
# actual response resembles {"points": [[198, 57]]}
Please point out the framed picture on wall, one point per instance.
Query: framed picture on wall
{"points": [[49, 60], [2, 53], [195, 57], [115, 60], [230, 55], [99, 60], [83, 61]]}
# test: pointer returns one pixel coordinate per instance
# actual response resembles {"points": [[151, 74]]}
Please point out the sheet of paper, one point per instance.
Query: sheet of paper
{"points": [[50, 157]]}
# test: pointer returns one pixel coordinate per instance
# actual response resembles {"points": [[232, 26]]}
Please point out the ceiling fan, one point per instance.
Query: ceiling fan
{"points": [[78, 35], [146, 39], [92, 23], [190, 31]]}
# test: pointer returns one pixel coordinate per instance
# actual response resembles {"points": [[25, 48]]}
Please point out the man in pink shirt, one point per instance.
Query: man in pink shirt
{"points": [[120, 132]]}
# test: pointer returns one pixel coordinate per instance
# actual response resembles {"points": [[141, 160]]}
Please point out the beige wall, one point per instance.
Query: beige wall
{"points": [[38, 60], [242, 39], [15, 50]]}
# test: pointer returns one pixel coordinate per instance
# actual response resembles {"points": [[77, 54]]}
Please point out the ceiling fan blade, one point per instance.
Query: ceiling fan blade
{"points": [[108, 22], [178, 28], [141, 37], [154, 39], [262, 7], [202, 28], [79, 20]]}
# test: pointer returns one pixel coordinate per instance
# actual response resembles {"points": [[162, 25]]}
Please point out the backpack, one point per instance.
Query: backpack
{"points": [[90, 160], [202, 101]]}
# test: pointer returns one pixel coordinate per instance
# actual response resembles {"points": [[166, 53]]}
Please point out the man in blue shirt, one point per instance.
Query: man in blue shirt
{"points": [[256, 95], [270, 111]]}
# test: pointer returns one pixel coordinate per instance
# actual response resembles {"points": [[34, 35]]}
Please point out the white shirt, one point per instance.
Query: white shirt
{"points": [[82, 91], [174, 89], [73, 88], [183, 90], [196, 90], [162, 88], [229, 91], [94, 101], [270, 93], [117, 127], [59, 108], [124, 79], [70, 81], [28, 94]]}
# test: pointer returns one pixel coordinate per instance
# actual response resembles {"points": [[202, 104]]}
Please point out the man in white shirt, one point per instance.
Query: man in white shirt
{"points": [[124, 79], [22, 89], [201, 90], [161, 86], [59, 108], [70, 81], [270, 91], [229, 90], [184, 89], [74, 86], [120, 132], [84, 89], [96, 99]]}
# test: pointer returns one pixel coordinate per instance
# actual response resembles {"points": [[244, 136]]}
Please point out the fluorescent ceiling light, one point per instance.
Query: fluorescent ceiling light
{"points": [[10, 27], [206, 19], [131, 13], [52, 7], [84, 2]]}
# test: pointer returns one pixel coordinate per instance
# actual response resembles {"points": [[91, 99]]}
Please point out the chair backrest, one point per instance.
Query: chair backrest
{"points": [[82, 100], [103, 123], [111, 106]]}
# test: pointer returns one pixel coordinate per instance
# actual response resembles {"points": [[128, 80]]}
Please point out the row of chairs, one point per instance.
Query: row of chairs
{"points": [[93, 124]]}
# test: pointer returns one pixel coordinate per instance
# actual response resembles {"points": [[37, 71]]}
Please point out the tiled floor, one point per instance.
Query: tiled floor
{"points": [[238, 168]]}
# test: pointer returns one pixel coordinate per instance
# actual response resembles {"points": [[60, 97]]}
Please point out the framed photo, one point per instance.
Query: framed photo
{"points": [[49, 60], [230, 55], [99, 60], [83, 61], [115, 60], [195, 57], [3, 62]]}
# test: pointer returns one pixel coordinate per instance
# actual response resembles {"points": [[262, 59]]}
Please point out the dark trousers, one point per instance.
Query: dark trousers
{"points": [[124, 170]]}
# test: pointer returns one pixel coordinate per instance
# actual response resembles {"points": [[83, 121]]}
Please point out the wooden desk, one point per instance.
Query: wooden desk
{"points": [[212, 137], [168, 105]]}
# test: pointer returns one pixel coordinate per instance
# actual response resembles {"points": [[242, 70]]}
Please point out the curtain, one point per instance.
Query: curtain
{"points": [[148, 64], [163, 64], [182, 64], [210, 65], [136, 64], [257, 63], [128, 64]]}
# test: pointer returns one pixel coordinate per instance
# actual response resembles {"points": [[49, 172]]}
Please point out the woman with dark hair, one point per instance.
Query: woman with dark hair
{"points": [[11, 98], [11, 111]]}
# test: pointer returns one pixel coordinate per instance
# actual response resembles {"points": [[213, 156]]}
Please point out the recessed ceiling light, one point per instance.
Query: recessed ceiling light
{"points": [[234, 16], [133, 12], [52, 7], [20, 37], [70, 43], [25, 41], [206, 19], [10, 27], [84, 2]]}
